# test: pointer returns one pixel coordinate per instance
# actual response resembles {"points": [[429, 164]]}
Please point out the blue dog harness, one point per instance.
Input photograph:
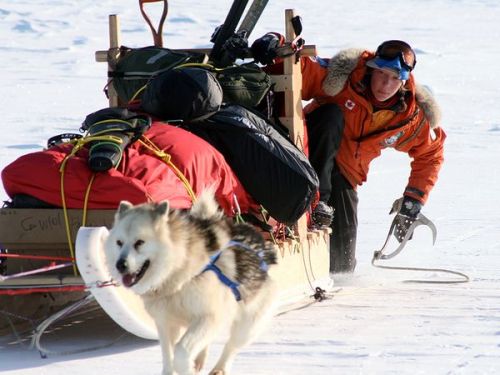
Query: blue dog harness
{"points": [[233, 285]]}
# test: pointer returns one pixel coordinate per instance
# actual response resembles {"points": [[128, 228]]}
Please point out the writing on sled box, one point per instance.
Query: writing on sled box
{"points": [[45, 228]]}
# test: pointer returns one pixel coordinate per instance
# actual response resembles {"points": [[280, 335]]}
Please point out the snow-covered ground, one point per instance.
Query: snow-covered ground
{"points": [[376, 323]]}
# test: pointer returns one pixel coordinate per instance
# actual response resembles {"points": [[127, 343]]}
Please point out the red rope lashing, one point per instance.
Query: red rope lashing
{"points": [[24, 291], [35, 257]]}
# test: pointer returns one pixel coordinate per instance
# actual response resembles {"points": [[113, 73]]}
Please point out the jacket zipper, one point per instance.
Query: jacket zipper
{"points": [[358, 143]]}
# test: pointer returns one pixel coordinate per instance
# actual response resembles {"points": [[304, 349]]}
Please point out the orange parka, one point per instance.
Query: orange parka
{"points": [[415, 131]]}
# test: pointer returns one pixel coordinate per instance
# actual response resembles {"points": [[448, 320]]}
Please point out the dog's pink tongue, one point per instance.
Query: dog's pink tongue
{"points": [[128, 280]]}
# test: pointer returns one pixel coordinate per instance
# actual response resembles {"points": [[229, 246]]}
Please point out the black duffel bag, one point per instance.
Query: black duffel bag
{"points": [[271, 168]]}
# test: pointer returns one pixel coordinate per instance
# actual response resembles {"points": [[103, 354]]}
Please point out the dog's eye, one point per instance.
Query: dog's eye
{"points": [[137, 244], [119, 243]]}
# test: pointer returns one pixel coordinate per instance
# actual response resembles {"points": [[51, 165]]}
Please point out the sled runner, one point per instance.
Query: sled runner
{"points": [[54, 232]]}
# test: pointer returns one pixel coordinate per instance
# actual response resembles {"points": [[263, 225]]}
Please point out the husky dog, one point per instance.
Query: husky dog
{"points": [[196, 271]]}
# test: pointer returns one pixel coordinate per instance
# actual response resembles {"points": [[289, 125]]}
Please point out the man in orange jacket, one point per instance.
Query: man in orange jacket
{"points": [[364, 102]]}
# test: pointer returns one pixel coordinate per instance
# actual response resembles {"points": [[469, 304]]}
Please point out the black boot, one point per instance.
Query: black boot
{"points": [[344, 225], [342, 252]]}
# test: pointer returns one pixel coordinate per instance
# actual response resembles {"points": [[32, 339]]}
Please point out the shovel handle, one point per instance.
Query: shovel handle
{"points": [[157, 33]]}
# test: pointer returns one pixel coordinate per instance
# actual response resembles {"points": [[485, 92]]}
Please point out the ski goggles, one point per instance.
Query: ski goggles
{"points": [[397, 48], [395, 55]]}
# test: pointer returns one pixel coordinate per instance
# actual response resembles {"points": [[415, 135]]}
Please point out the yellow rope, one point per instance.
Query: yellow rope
{"points": [[77, 145], [138, 92], [86, 200], [113, 121], [200, 65], [65, 210], [80, 143], [168, 160]]}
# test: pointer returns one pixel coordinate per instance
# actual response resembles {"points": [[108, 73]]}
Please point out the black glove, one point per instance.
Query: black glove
{"points": [[322, 214], [264, 49], [406, 216], [237, 46]]}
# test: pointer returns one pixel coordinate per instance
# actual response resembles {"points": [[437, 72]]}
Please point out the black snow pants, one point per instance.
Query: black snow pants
{"points": [[325, 127]]}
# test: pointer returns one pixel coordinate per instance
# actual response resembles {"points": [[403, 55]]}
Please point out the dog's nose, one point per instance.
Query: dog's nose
{"points": [[121, 265]]}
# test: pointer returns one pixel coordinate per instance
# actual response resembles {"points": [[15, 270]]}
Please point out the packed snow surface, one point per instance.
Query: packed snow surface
{"points": [[375, 323]]}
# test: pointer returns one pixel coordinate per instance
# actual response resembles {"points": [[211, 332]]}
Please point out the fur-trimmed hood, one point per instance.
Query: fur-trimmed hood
{"points": [[342, 65]]}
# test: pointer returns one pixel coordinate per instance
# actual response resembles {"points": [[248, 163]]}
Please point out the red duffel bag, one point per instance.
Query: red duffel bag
{"points": [[141, 176]]}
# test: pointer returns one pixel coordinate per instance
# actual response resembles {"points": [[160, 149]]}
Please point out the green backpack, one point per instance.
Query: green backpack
{"points": [[245, 84], [136, 66]]}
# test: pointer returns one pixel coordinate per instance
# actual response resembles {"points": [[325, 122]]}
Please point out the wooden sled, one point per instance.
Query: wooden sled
{"points": [[303, 262]]}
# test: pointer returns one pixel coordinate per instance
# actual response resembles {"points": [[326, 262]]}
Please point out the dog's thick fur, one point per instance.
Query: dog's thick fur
{"points": [[161, 254]]}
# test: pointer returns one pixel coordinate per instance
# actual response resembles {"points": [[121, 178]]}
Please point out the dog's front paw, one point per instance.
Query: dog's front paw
{"points": [[183, 365], [200, 360]]}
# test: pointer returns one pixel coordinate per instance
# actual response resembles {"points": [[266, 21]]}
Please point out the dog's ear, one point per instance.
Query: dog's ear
{"points": [[161, 209], [122, 208]]}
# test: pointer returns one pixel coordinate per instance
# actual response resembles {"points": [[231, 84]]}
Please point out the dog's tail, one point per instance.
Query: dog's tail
{"points": [[206, 207]]}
